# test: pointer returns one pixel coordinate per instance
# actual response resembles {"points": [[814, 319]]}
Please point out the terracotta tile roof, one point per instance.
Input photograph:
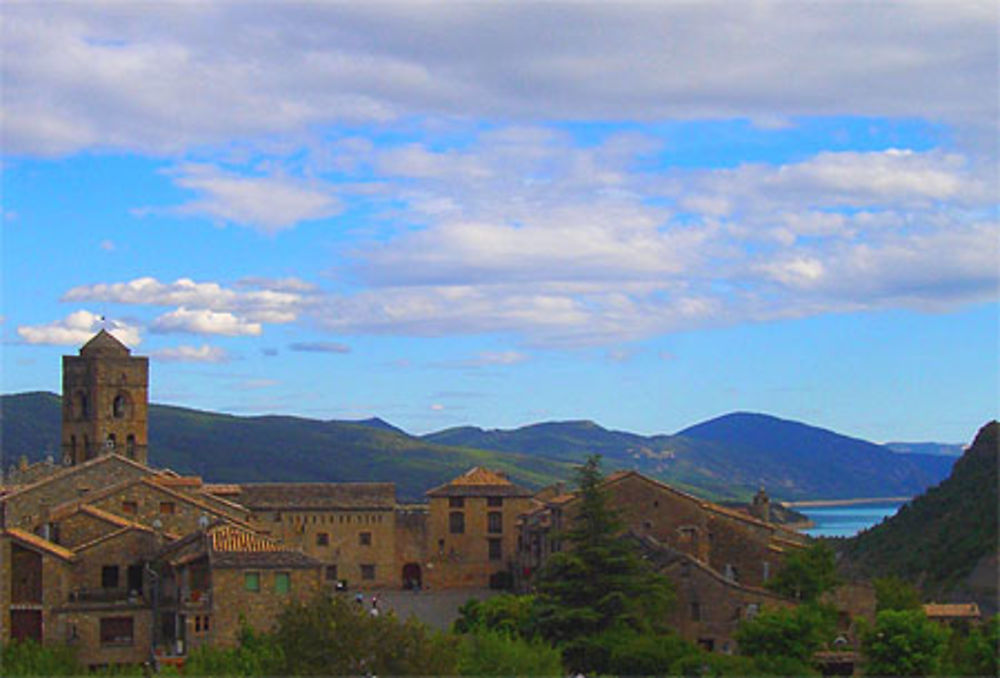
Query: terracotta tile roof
{"points": [[479, 482], [952, 610], [34, 541], [316, 496], [222, 489], [177, 481], [234, 539], [232, 546]]}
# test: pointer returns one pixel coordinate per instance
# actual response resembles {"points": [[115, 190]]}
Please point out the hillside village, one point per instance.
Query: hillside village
{"points": [[128, 562]]}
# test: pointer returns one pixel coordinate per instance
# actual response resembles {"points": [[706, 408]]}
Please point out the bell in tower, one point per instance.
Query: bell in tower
{"points": [[105, 402]]}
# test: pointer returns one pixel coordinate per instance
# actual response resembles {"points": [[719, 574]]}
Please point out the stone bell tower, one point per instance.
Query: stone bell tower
{"points": [[105, 402]]}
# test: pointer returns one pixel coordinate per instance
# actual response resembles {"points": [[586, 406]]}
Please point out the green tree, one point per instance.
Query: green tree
{"points": [[258, 654], [784, 640], [806, 573], [507, 613], [329, 636], [599, 581], [893, 593], [28, 658], [976, 652], [497, 653], [903, 643]]}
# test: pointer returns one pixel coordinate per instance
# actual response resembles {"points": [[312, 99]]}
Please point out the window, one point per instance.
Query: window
{"points": [[456, 502], [494, 521], [282, 582], [119, 407], [130, 446], [109, 577], [116, 631], [167, 507], [365, 538], [130, 507], [331, 573], [695, 611], [322, 539], [456, 522], [767, 570], [368, 572], [111, 441], [496, 549], [251, 581], [277, 516], [201, 623], [494, 501]]}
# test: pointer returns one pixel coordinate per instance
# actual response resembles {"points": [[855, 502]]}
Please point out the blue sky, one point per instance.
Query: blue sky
{"points": [[642, 214]]}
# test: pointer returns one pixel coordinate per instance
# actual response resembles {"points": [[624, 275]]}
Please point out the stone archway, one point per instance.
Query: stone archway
{"points": [[411, 576]]}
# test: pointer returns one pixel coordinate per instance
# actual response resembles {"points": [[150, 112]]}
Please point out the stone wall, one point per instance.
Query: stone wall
{"points": [[346, 545], [231, 600]]}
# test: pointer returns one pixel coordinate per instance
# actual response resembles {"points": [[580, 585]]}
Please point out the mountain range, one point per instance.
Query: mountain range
{"points": [[728, 457]]}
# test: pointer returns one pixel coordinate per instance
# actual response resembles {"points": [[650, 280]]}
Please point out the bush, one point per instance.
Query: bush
{"points": [[903, 643], [28, 658], [493, 653]]}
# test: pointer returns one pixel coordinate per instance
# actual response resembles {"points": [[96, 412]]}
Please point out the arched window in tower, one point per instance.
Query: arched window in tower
{"points": [[82, 407], [72, 449], [88, 451], [109, 444], [120, 406], [130, 446]]}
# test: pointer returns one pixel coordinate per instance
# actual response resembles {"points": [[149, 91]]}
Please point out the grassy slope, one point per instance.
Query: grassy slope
{"points": [[939, 537]]}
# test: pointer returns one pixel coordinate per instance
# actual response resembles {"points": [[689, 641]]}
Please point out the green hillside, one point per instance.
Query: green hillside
{"points": [[941, 536], [226, 448], [727, 458]]}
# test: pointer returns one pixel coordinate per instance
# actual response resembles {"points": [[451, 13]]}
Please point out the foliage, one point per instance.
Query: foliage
{"points": [[258, 654], [712, 664], [893, 593], [774, 636], [599, 582], [903, 643], [975, 652], [329, 636], [28, 658], [626, 652], [807, 573], [506, 613], [938, 537], [493, 653]]}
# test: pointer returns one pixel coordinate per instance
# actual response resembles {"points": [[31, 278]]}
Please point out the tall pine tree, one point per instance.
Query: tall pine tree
{"points": [[598, 582]]}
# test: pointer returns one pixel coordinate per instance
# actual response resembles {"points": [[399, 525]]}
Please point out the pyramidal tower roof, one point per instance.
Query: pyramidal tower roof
{"points": [[104, 344]]}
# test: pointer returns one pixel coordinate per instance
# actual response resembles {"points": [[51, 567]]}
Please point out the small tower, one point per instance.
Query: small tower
{"points": [[105, 402], [761, 507]]}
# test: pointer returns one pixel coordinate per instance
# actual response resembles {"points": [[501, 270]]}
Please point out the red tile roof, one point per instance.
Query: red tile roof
{"points": [[34, 541]]}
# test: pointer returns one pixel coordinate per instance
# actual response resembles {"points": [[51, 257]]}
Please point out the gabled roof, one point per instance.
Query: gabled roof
{"points": [[480, 482], [33, 541], [67, 510], [315, 496], [104, 344], [78, 468], [134, 527], [151, 482]]}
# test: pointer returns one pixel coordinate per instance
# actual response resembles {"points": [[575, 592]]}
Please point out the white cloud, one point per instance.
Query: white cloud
{"points": [[280, 303], [269, 204], [192, 354], [203, 321], [319, 347], [76, 329], [96, 75]]}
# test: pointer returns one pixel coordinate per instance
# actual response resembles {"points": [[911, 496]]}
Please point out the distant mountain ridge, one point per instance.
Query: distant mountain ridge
{"points": [[728, 457]]}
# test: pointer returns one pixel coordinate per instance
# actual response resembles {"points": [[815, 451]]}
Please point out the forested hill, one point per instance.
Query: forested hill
{"points": [[727, 458], [945, 539]]}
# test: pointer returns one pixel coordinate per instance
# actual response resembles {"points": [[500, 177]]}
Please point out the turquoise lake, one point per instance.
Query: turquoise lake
{"points": [[846, 521]]}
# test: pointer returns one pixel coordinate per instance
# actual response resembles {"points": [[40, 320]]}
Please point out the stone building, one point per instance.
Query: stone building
{"points": [[127, 561]]}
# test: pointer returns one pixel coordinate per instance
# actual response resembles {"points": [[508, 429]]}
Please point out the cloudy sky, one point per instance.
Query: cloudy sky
{"points": [[642, 214]]}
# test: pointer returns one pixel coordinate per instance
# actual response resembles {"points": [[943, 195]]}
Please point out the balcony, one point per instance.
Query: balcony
{"points": [[109, 596]]}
